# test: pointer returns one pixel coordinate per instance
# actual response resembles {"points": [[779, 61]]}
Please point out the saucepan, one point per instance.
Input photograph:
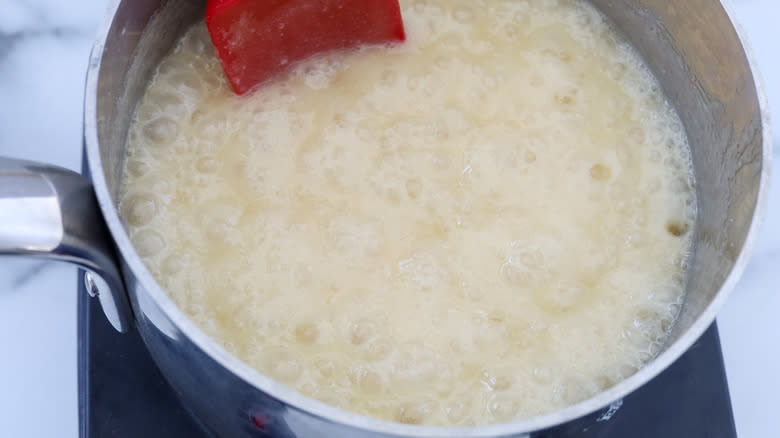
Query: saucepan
{"points": [[695, 50]]}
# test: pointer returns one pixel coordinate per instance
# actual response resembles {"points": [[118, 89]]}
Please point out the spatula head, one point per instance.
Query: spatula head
{"points": [[256, 40]]}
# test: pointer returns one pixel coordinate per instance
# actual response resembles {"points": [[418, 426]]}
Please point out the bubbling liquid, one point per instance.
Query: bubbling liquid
{"points": [[486, 223]]}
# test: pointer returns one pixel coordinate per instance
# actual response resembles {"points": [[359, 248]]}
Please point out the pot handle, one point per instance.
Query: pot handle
{"points": [[51, 212]]}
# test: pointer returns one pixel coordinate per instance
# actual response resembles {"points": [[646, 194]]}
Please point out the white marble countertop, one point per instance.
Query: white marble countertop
{"points": [[44, 46]]}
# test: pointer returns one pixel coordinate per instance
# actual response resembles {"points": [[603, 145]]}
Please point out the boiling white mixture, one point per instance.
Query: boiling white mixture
{"points": [[485, 223]]}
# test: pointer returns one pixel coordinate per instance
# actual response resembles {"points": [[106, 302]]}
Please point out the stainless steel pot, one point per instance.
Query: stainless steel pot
{"points": [[692, 46]]}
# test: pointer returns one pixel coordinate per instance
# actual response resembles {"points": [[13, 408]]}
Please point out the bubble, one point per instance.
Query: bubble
{"points": [[644, 316], [634, 337], [148, 243], [645, 356], [363, 331], [303, 275], [423, 270], [471, 291], [318, 78], [575, 390], [582, 18], [368, 381], [413, 188], [564, 99], [441, 160], [140, 209], [378, 350], [666, 324], [332, 398], [389, 78], [503, 407], [458, 411], [354, 238], [562, 55], [495, 381], [200, 116], [627, 371], [161, 131], [283, 366], [443, 62], [542, 374], [308, 389], [677, 228], [187, 80], [166, 66], [680, 185], [515, 270], [325, 368], [413, 82], [529, 156], [207, 165], [603, 382], [198, 40], [418, 366], [172, 265], [497, 316], [677, 129], [452, 41], [561, 296], [157, 184], [137, 167], [637, 135], [537, 81], [413, 412], [532, 258], [171, 105], [462, 15], [600, 172], [220, 219], [444, 382], [307, 333]]}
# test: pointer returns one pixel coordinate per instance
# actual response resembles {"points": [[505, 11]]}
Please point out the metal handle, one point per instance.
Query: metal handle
{"points": [[51, 212]]}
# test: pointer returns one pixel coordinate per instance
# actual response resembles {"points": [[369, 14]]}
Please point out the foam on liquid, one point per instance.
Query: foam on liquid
{"points": [[486, 223]]}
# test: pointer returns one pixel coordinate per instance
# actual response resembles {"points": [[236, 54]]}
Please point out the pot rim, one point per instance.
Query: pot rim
{"points": [[336, 415]]}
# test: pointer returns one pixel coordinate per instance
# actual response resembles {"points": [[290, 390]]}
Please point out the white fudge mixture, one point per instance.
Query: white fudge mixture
{"points": [[485, 223]]}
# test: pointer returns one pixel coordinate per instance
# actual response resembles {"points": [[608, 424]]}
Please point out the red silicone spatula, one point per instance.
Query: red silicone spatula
{"points": [[258, 39]]}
